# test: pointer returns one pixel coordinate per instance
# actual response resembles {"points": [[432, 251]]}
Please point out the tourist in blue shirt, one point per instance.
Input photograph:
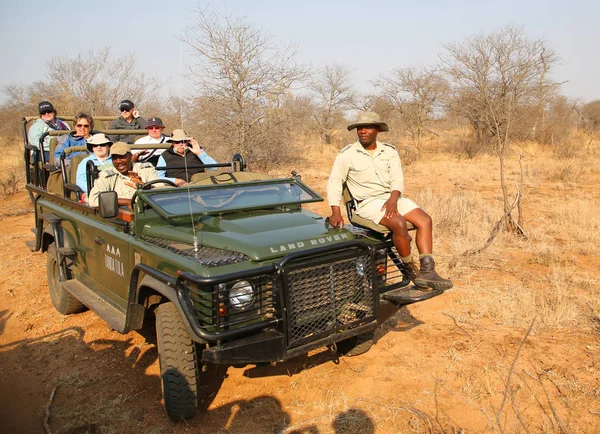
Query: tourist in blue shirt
{"points": [[84, 124], [99, 145]]}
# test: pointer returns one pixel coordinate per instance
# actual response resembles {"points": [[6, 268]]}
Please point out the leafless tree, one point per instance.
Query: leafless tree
{"points": [[589, 115], [492, 75], [334, 94], [242, 80], [96, 81], [417, 93]]}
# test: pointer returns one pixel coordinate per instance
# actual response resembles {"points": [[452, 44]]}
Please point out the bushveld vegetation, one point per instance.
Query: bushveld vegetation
{"points": [[477, 144]]}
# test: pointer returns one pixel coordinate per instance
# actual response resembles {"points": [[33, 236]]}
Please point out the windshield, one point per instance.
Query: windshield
{"points": [[222, 198]]}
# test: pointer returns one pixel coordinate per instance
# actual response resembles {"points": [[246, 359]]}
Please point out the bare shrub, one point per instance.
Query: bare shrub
{"points": [[468, 145], [568, 173], [11, 180]]}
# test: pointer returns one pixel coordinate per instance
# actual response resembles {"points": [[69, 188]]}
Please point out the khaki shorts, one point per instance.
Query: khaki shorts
{"points": [[370, 209]]}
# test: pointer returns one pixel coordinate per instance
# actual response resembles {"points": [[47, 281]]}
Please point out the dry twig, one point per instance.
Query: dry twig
{"points": [[48, 412]]}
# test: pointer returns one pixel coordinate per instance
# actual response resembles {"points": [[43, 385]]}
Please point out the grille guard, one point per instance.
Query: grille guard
{"points": [[281, 274]]}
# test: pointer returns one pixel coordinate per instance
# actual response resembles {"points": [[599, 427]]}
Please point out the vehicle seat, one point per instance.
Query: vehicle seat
{"points": [[356, 220], [226, 177]]}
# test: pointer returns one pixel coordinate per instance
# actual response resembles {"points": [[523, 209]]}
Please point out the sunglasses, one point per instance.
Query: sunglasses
{"points": [[154, 127], [82, 125], [46, 112], [178, 142], [103, 144], [125, 110]]}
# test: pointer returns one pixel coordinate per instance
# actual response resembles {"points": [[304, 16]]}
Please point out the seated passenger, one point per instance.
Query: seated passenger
{"points": [[47, 122], [184, 151], [124, 178], [99, 146], [155, 135], [84, 124], [129, 120]]}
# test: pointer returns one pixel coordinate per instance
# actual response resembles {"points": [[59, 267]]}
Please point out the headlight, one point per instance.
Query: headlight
{"points": [[241, 295], [360, 267]]}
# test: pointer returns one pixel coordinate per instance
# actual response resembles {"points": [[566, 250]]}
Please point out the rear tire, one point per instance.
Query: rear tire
{"points": [[62, 300], [356, 345]]}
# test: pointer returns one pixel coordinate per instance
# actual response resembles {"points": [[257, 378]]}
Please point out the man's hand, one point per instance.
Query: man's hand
{"points": [[335, 219], [179, 182], [136, 114], [196, 148], [135, 179], [391, 205]]}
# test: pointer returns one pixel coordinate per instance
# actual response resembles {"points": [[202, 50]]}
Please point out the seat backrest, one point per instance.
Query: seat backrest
{"points": [[73, 169], [53, 145]]}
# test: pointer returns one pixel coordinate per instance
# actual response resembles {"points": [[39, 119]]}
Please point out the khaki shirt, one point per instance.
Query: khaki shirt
{"points": [[367, 176], [112, 180]]}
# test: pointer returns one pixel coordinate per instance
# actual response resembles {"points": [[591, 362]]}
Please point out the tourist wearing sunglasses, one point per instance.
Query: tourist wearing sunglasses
{"points": [[180, 162], [84, 124], [99, 145], [155, 128], [47, 122], [129, 120]]}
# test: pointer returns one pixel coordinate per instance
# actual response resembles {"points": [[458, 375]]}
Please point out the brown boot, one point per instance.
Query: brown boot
{"points": [[410, 270], [428, 277]]}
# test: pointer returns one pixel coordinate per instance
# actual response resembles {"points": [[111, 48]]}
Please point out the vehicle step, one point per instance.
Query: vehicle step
{"points": [[34, 230], [49, 217], [66, 251], [113, 316], [410, 294], [31, 244]]}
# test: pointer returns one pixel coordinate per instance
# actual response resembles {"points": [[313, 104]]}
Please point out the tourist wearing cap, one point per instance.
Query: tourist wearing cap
{"points": [[373, 173], [184, 151], [47, 121], [124, 177], [129, 120], [84, 124], [155, 136], [99, 146]]}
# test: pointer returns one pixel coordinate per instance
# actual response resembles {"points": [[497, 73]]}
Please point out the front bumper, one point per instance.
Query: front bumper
{"points": [[312, 298]]}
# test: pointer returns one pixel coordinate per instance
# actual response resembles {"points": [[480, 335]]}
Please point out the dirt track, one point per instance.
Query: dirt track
{"points": [[434, 369]]}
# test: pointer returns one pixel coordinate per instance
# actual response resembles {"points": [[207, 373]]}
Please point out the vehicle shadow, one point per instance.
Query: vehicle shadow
{"points": [[113, 385], [82, 374]]}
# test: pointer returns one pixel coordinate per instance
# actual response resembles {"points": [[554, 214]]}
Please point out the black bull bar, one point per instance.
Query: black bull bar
{"points": [[319, 296]]}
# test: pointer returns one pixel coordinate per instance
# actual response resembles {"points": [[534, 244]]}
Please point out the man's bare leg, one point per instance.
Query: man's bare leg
{"points": [[427, 276], [401, 239]]}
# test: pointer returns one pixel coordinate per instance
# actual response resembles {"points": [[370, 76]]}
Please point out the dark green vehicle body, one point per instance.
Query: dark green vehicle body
{"points": [[255, 278]]}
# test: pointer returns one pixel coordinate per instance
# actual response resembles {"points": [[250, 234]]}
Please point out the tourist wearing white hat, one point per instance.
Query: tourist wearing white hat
{"points": [[182, 159]]}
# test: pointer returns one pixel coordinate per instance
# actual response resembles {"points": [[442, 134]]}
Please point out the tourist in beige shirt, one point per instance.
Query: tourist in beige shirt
{"points": [[373, 173]]}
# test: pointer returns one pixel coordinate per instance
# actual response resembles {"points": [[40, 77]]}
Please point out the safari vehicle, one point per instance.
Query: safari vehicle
{"points": [[233, 268]]}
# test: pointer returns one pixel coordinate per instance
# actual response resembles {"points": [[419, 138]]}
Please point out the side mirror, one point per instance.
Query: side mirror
{"points": [[108, 203]]}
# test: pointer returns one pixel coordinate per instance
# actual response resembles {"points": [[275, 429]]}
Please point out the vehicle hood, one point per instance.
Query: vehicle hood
{"points": [[260, 235]]}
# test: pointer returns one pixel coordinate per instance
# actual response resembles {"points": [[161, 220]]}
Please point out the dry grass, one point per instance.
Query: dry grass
{"points": [[454, 368]]}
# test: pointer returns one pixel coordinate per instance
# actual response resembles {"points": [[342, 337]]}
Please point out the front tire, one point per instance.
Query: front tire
{"points": [[188, 384], [61, 299]]}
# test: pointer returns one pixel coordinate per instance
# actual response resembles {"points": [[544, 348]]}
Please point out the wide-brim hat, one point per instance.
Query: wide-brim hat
{"points": [[179, 136], [98, 139], [368, 118], [120, 148], [154, 122]]}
